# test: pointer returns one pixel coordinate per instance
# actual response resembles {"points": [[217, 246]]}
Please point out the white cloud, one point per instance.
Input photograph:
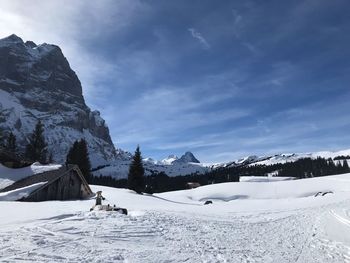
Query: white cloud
{"points": [[195, 34], [67, 24]]}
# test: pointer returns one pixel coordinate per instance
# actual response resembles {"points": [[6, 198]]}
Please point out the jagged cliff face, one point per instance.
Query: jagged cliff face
{"points": [[36, 82]]}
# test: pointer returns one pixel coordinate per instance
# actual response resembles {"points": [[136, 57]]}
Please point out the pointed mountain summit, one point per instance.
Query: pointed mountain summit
{"points": [[188, 157], [11, 39]]}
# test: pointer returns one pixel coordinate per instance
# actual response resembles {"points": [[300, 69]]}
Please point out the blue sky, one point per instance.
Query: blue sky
{"points": [[222, 79]]}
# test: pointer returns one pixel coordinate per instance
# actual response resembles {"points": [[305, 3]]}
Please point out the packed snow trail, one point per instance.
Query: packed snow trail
{"points": [[276, 222], [275, 236]]}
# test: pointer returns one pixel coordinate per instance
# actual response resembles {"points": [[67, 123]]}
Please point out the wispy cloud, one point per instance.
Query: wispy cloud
{"points": [[236, 23], [167, 112], [65, 23], [251, 48], [195, 34]]}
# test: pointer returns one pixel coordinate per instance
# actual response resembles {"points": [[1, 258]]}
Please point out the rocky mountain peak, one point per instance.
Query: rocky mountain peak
{"points": [[30, 44], [11, 39], [188, 157], [37, 83], [36, 65]]}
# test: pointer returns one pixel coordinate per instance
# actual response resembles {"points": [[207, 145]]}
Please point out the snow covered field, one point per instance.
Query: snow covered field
{"points": [[280, 221]]}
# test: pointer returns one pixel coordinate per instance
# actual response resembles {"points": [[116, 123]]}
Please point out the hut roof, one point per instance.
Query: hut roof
{"points": [[48, 177]]}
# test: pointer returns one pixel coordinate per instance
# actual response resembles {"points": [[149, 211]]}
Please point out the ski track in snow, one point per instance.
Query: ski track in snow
{"points": [[150, 236]]}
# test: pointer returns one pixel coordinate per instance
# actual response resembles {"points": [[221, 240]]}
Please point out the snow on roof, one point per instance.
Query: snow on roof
{"points": [[10, 175], [19, 193]]}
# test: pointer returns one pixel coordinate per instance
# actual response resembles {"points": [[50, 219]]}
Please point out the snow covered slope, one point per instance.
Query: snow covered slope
{"points": [[292, 157], [288, 226], [37, 83], [263, 190]]}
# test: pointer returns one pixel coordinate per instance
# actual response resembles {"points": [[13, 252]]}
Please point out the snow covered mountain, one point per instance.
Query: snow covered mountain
{"points": [[282, 158], [188, 163], [169, 160], [37, 83], [188, 157], [172, 166]]}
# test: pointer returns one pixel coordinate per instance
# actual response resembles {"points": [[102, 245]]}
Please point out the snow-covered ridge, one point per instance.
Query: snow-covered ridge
{"points": [[172, 166], [280, 158], [169, 160], [187, 157]]}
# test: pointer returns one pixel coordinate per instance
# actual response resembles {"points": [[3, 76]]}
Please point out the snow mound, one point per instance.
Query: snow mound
{"points": [[264, 178], [263, 190]]}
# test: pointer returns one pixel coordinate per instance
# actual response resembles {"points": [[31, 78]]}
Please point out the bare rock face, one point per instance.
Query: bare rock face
{"points": [[36, 82]]}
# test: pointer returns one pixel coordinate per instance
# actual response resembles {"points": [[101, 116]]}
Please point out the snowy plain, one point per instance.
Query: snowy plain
{"points": [[279, 221]]}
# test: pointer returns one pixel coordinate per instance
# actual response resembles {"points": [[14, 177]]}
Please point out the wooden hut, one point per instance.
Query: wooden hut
{"points": [[65, 183]]}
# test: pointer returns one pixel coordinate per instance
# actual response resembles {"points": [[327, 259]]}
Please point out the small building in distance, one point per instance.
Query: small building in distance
{"points": [[65, 183], [192, 185]]}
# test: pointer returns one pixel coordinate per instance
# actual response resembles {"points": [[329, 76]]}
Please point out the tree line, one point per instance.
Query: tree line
{"points": [[160, 182], [36, 150]]}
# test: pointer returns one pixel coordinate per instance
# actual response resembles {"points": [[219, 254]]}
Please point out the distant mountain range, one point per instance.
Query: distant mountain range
{"points": [[283, 158], [172, 166]]}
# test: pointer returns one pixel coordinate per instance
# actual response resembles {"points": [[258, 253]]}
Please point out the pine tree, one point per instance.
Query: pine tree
{"points": [[136, 173], [345, 166], [72, 156], [50, 159], [36, 148], [1, 138], [84, 163], [79, 155], [339, 168], [10, 144]]}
